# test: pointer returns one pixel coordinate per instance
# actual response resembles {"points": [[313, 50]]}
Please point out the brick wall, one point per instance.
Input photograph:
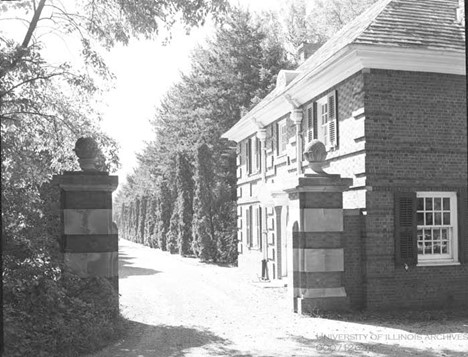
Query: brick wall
{"points": [[348, 160], [416, 128], [416, 140], [353, 275]]}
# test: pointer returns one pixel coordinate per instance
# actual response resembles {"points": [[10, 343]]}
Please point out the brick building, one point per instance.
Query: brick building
{"points": [[387, 97]]}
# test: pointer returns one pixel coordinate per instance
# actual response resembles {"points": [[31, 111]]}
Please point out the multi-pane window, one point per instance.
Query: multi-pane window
{"points": [[324, 120], [436, 221]]}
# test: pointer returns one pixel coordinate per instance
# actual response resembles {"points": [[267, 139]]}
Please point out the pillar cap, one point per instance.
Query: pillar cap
{"points": [[316, 183]]}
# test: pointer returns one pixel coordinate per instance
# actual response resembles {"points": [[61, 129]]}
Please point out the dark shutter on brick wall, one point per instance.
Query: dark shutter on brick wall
{"points": [[275, 138], [258, 153], [406, 251], [239, 153], [259, 227], [462, 202], [314, 121], [310, 128], [248, 156], [333, 119], [248, 226]]}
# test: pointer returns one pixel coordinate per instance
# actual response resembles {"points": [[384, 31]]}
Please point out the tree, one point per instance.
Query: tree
{"points": [[150, 227], [44, 109], [184, 204], [231, 73], [40, 100], [163, 215], [141, 238], [316, 21], [204, 239], [173, 232]]}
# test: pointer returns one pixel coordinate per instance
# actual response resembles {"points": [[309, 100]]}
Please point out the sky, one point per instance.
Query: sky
{"points": [[144, 71]]}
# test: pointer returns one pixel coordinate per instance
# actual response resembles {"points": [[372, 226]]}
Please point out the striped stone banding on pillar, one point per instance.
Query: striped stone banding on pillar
{"points": [[80, 243], [321, 200], [104, 264], [320, 292], [318, 279], [317, 240], [87, 200], [320, 260], [322, 220], [87, 221]]}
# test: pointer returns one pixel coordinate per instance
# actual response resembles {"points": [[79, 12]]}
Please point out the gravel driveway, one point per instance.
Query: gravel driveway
{"points": [[181, 307]]}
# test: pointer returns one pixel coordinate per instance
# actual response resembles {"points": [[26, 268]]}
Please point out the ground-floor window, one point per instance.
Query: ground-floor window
{"points": [[436, 217]]}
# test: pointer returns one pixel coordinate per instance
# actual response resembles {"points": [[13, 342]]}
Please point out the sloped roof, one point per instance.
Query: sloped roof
{"points": [[429, 24], [422, 23], [414, 24]]}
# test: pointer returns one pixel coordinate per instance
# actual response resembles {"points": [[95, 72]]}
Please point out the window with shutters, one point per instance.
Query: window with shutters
{"points": [[322, 121], [436, 217]]}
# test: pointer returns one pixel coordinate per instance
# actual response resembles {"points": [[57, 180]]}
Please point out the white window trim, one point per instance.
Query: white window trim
{"points": [[453, 258]]}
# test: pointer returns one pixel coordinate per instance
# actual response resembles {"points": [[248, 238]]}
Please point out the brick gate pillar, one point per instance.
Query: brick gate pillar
{"points": [[316, 236], [89, 236]]}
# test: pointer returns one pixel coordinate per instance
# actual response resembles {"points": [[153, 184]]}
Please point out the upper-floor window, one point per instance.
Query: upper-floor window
{"points": [[252, 155], [281, 137], [321, 120]]}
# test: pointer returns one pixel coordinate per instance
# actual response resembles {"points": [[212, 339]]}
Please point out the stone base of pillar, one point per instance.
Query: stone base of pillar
{"points": [[314, 305]]}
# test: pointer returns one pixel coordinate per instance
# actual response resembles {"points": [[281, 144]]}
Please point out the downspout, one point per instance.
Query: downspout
{"points": [[261, 135], [296, 116]]}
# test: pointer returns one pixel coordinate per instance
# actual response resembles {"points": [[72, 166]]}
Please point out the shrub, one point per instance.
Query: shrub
{"points": [[48, 312]]}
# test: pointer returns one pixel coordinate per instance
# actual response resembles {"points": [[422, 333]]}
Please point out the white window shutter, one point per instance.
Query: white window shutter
{"points": [[332, 120]]}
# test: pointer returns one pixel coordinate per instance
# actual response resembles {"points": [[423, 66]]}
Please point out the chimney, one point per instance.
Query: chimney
{"points": [[306, 50], [460, 12]]}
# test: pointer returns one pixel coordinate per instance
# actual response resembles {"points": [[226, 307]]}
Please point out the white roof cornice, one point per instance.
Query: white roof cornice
{"points": [[337, 68]]}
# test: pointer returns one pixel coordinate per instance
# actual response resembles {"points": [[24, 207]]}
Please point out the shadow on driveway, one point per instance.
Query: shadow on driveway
{"points": [[168, 341], [331, 347], [126, 268], [426, 322]]}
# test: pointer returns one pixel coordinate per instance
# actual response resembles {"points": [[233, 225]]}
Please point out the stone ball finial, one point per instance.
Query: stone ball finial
{"points": [[87, 151], [315, 153]]}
